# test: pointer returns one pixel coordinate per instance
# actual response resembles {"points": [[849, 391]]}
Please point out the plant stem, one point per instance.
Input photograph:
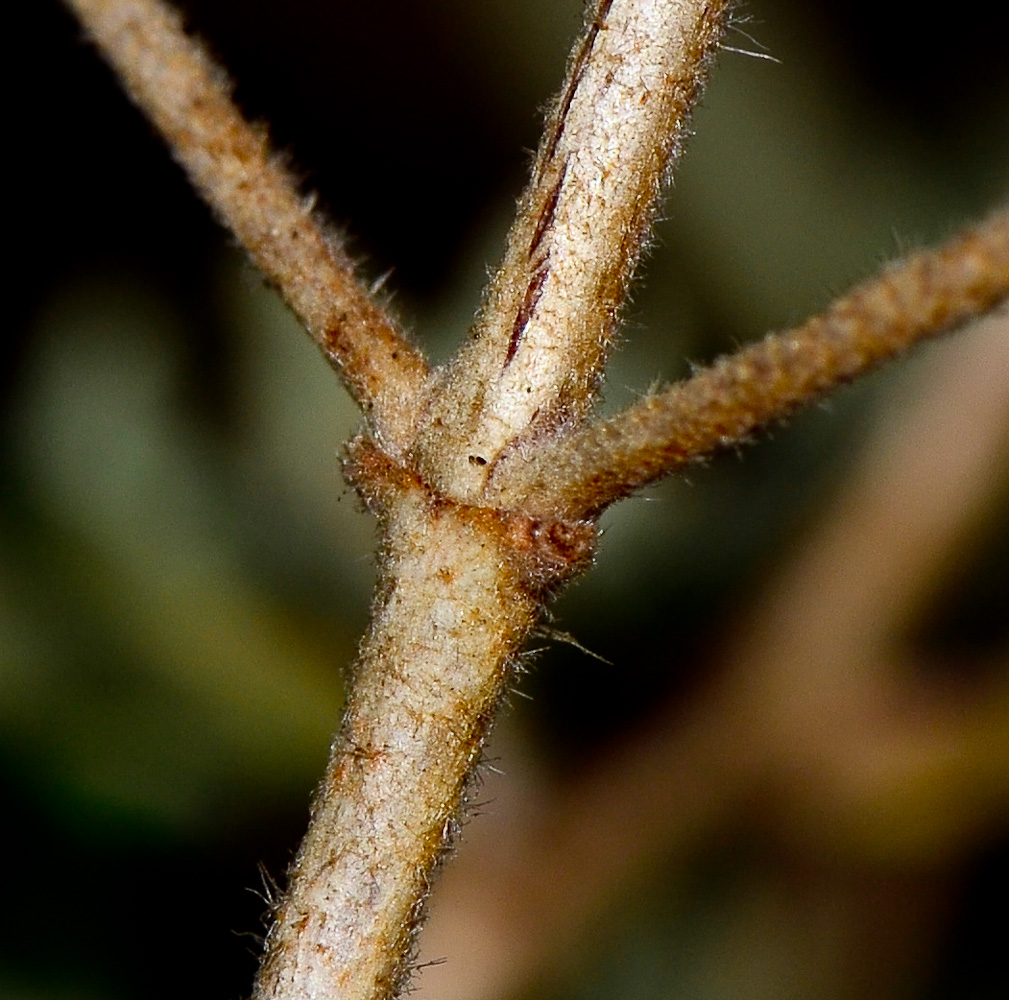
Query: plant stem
{"points": [[451, 616], [187, 96], [486, 478], [925, 294], [547, 324]]}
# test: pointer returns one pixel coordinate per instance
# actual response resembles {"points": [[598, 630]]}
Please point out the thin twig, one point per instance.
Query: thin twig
{"points": [[549, 317], [918, 297], [187, 96]]}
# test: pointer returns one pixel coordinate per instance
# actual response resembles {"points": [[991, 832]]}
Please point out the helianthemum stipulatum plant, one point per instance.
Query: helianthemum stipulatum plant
{"points": [[488, 475]]}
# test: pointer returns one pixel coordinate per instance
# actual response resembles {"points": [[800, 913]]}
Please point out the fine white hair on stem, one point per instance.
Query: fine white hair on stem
{"points": [[548, 322], [749, 52], [759, 50]]}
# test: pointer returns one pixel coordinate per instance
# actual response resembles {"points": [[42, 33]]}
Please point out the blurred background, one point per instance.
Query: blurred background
{"points": [[787, 772]]}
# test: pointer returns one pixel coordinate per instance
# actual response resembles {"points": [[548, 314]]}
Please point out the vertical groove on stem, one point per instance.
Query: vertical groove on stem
{"points": [[547, 324]]}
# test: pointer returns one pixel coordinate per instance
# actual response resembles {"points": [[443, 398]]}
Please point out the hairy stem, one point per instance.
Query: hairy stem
{"points": [[187, 96], [484, 478], [452, 613], [548, 321], [923, 295]]}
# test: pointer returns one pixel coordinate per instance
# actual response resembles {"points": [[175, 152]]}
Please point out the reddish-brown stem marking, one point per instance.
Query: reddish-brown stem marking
{"points": [[550, 314]]}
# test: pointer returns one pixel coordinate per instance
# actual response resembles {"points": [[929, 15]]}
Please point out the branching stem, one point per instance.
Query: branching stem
{"points": [[487, 477]]}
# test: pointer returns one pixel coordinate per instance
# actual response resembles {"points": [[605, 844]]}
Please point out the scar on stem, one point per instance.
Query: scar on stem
{"points": [[532, 297]]}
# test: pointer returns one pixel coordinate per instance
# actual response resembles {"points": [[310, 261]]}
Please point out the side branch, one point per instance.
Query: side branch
{"points": [[548, 321], [923, 295], [187, 96]]}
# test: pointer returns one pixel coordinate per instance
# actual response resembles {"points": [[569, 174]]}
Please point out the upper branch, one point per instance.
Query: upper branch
{"points": [[187, 96], [922, 295], [534, 360]]}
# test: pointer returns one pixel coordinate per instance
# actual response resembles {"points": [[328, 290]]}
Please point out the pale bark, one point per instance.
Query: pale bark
{"points": [[535, 357], [430, 673]]}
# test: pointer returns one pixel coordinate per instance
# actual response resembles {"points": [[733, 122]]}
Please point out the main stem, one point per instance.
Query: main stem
{"points": [[451, 614]]}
